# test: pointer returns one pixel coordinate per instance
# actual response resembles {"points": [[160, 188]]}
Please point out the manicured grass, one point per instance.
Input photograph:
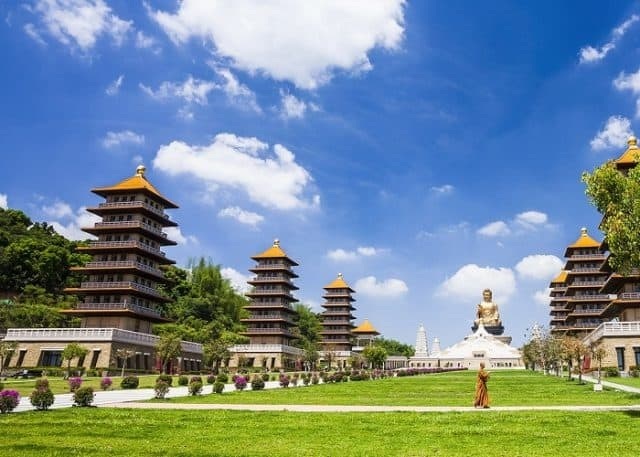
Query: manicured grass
{"points": [[506, 388], [103, 432], [633, 382], [60, 386]]}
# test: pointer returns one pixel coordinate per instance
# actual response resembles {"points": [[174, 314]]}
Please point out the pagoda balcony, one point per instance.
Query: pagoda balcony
{"points": [[598, 283], [333, 342], [92, 306], [585, 270], [587, 311], [104, 227], [559, 289], [598, 256], [95, 286], [120, 264], [631, 296], [270, 331], [121, 245], [268, 317], [336, 332], [266, 348], [270, 292], [272, 280], [337, 294], [623, 329], [333, 312], [273, 266], [134, 205], [592, 297], [344, 322]]}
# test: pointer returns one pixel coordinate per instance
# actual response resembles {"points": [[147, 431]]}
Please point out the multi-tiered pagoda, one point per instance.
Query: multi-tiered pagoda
{"points": [[119, 297], [271, 315], [337, 319], [559, 310]]}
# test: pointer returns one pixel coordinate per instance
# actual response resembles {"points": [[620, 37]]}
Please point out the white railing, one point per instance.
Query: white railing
{"points": [[337, 294], [267, 330], [629, 296], [271, 279], [631, 328], [125, 244], [275, 348], [592, 297], [271, 266], [586, 283], [134, 204], [121, 285], [587, 311], [585, 270], [92, 334], [588, 256], [335, 353], [124, 264], [116, 306], [269, 292], [130, 224]]}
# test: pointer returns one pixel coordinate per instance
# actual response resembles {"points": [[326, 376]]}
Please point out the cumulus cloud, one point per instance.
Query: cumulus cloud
{"points": [[241, 215], [192, 90], [443, 190], [291, 107], [470, 280], [238, 280], [238, 94], [541, 297], [539, 266], [531, 219], [175, 234], [497, 228], [4, 201], [58, 210], [590, 54], [301, 42], [340, 255], [389, 288], [613, 135], [270, 177], [630, 82], [70, 224], [116, 139], [79, 23], [114, 87]]}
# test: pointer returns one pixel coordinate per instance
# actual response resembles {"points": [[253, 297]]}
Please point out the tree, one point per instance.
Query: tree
{"points": [[375, 355], [598, 353], [7, 348], [71, 351], [217, 351], [169, 347], [124, 354], [394, 347], [572, 350], [617, 197], [311, 355], [308, 326]]}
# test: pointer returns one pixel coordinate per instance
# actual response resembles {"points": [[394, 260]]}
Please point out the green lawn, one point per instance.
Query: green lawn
{"points": [[506, 388], [633, 382], [59, 385], [103, 432]]}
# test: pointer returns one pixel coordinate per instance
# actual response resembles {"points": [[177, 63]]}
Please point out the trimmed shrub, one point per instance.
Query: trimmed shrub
{"points": [[240, 383], [130, 382], [75, 383], [83, 396], [166, 378], [42, 383], [195, 387], [634, 371], [223, 378], [161, 389], [196, 379], [315, 379], [611, 372], [9, 399], [42, 398], [218, 387], [265, 377], [183, 380], [284, 380], [211, 379], [257, 383], [105, 383]]}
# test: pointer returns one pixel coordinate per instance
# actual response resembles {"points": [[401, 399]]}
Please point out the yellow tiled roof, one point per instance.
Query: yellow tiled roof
{"points": [[136, 182], [585, 241], [561, 278], [365, 327], [274, 252], [339, 283], [631, 155]]}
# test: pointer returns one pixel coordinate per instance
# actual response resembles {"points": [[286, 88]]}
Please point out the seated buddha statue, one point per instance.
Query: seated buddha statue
{"points": [[487, 313]]}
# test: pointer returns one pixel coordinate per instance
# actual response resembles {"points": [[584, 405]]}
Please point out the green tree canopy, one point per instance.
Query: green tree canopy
{"points": [[308, 327], [394, 347]]}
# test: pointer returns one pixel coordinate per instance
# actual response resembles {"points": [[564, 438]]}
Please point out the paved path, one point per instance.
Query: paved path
{"points": [[132, 398]]}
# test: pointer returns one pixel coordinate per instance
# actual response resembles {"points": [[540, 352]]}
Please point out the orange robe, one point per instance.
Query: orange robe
{"points": [[482, 395]]}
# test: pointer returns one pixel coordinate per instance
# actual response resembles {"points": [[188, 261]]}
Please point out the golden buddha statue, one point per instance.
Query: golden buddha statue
{"points": [[487, 313]]}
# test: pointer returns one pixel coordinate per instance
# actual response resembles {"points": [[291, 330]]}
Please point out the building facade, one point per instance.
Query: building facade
{"points": [[337, 321]]}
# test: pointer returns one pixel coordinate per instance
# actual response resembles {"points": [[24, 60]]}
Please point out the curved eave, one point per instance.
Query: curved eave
{"points": [[115, 190]]}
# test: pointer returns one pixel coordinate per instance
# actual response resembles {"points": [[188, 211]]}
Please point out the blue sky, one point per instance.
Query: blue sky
{"points": [[426, 150]]}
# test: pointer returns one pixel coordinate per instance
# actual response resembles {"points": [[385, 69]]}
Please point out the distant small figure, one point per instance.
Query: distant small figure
{"points": [[482, 394]]}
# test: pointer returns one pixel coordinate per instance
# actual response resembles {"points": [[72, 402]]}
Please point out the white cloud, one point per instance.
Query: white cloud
{"points": [[629, 82], [291, 107], [114, 87], [116, 139], [541, 297], [31, 30], [443, 190], [539, 266], [273, 180], [175, 234], [144, 41], [4, 201], [590, 54], [237, 279], [191, 90], [302, 42], [58, 210], [497, 228], [72, 229], [531, 219], [79, 23], [470, 280], [613, 135], [389, 288], [241, 215], [341, 255], [237, 93]]}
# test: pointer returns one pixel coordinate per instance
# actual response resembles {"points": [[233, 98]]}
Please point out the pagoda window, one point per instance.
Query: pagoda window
{"points": [[112, 218]]}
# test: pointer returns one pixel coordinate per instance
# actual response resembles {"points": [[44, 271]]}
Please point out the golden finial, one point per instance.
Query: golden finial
{"points": [[340, 275], [276, 242], [583, 231], [140, 170], [632, 142]]}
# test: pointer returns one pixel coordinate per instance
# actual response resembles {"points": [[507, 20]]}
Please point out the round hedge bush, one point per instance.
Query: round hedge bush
{"points": [[42, 398], [161, 389], [218, 387], [130, 382], [165, 378], [83, 396], [183, 380]]}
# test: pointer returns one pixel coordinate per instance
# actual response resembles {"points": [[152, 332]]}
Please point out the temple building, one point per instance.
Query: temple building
{"points": [[271, 316], [337, 321], [364, 335], [118, 297], [559, 310]]}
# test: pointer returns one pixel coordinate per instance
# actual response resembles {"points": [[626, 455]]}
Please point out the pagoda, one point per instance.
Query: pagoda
{"points": [[119, 299], [364, 334], [559, 310], [337, 319], [271, 322]]}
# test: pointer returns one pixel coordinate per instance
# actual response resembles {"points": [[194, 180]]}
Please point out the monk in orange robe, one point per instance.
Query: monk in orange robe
{"points": [[482, 395]]}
